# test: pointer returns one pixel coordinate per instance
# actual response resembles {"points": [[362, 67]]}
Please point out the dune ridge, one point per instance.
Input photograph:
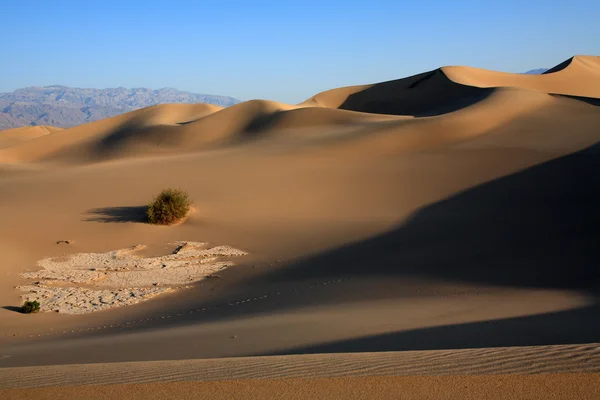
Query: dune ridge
{"points": [[450, 96]]}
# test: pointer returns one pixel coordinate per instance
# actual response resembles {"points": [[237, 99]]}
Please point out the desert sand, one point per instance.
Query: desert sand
{"points": [[455, 210], [12, 137]]}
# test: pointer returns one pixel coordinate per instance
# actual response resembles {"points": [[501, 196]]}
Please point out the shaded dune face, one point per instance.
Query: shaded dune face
{"points": [[427, 94], [540, 220], [177, 128]]}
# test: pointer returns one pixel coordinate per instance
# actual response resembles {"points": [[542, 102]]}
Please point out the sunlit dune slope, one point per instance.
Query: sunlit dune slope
{"points": [[11, 137], [443, 106]]}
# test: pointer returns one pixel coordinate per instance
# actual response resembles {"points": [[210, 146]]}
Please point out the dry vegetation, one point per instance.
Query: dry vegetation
{"points": [[30, 307], [170, 206]]}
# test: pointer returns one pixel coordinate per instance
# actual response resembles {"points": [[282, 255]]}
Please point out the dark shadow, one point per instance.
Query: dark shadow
{"points": [[262, 122], [13, 308], [118, 214], [134, 134], [590, 100], [564, 327], [124, 140], [423, 95], [536, 228], [187, 122], [560, 66]]}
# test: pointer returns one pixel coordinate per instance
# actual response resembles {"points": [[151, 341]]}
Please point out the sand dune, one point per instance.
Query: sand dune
{"points": [[454, 209], [426, 94], [449, 98], [450, 88], [106, 130], [578, 76], [11, 137]]}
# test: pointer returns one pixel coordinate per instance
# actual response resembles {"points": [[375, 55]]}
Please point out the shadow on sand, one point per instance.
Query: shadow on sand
{"points": [[117, 214], [424, 95], [536, 228], [13, 308], [576, 326]]}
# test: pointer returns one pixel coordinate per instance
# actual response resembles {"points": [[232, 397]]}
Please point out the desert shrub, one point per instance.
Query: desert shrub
{"points": [[30, 307], [168, 207]]}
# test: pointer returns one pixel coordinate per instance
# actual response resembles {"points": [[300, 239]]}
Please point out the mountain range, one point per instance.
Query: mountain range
{"points": [[63, 106], [537, 71]]}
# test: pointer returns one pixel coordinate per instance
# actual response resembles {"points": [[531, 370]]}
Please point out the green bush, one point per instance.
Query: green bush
{"points": [[30, 307], [168, 207]]}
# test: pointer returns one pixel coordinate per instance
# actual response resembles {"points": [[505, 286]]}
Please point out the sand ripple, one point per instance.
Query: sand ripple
{"points": [[484, 361]]}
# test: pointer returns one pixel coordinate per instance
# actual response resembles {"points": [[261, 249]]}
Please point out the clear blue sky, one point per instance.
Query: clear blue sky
{"points": [[280, 50]]}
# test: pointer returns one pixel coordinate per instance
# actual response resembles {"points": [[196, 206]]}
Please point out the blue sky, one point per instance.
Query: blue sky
{"points": [[279, 50]]}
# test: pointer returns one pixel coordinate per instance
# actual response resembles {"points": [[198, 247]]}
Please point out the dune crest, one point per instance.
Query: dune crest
{"points": [[430, 98], [578, 76]]}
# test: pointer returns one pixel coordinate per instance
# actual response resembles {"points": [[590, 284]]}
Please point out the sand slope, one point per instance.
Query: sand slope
{"points": [[454, 209], [520, 373], [11, 137], [493, 361]]}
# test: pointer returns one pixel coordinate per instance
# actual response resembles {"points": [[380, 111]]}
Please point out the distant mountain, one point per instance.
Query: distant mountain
{"points": [[64, 106], [538, 71]]}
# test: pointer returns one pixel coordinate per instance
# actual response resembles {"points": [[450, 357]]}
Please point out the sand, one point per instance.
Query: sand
{"points": [[454, 209], [529, 360], [12, 137], [530, 372], [567, 386]]}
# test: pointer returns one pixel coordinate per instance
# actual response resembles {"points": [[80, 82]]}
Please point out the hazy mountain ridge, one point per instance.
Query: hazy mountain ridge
{"points": [[64, 106], [537, 71]]}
